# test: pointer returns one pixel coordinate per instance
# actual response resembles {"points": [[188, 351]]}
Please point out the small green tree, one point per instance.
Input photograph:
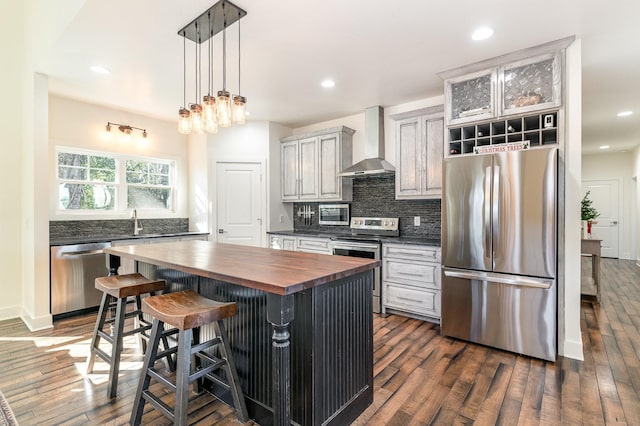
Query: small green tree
{"points": [[588, 211]]}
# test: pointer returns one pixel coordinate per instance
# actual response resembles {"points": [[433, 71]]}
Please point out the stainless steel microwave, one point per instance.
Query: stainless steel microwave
{"points": [[333, 214]]}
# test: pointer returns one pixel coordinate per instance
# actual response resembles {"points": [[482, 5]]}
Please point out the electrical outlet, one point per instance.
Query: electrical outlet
{"points": [[416, 221], [281, 218]]}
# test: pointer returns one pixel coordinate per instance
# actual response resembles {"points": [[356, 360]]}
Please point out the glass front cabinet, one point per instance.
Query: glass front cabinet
{"points": [[471, 97], [518, 87], [530, 85]]}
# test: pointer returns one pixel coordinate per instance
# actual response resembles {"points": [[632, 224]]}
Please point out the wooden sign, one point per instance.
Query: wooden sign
{"points": [[503, 147]]}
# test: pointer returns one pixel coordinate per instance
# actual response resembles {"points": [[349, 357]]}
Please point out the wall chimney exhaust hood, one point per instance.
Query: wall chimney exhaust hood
{"points": [[374, 163]]}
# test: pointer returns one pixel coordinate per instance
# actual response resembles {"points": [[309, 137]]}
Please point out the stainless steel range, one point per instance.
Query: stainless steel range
{"points": [[365, 241]]}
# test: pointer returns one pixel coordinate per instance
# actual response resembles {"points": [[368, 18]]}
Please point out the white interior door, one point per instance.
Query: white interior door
{"points": [[239, 202], [605, 195]]}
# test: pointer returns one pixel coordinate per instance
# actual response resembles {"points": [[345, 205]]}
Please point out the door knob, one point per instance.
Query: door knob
{"points": [[220, 231]]}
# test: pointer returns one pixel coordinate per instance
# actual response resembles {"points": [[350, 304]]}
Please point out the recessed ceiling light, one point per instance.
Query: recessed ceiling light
{"points": [[100, 69], [482, 33], [625, 113], [328, 83], [604, 147]]}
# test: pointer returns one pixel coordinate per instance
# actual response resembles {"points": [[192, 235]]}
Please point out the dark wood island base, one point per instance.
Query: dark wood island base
{"points": [[303, 335]]}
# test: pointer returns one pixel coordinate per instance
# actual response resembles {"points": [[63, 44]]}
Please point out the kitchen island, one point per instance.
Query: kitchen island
{"points": [[303, 335]]}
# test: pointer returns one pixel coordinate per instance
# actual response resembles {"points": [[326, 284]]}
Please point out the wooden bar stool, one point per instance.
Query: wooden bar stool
{"points": [[187, 311], [116, 290]]}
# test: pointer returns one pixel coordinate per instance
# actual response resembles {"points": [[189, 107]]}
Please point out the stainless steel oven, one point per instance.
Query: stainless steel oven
{"points": [[367, 250], [365, 242]]}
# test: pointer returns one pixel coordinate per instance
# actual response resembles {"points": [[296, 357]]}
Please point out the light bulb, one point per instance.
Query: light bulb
{"points": [[239, 109], [184, 121], [196, 118], [224, 108], [209, 114]]}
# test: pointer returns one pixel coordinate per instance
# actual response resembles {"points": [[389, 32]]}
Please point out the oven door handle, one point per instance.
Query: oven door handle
{"points": [[357, 246]]}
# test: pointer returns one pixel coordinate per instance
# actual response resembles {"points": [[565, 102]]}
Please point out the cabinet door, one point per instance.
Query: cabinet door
{"points": [[308, 161], [471, 97], [328, 167], [531, 84], [289, 175], [289, 243], [409, 156], [434, 151]]}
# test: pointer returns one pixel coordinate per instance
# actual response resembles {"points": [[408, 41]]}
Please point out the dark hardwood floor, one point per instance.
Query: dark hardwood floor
{"points": [[420, 377]]}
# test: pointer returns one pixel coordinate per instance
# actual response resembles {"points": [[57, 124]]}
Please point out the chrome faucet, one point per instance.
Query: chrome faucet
{"points": [[137, 227]]}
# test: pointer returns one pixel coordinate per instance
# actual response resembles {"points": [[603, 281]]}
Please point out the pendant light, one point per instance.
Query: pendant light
{"points": [[197, 125], [209, 102], [223, 109], [224, 98], [239, 102], [184, 121]]}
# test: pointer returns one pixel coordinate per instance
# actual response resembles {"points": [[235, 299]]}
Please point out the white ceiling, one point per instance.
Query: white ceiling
{"points": [[378, 52]]}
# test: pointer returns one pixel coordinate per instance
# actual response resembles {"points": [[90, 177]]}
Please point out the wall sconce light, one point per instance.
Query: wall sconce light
{"points": [[126, 131]]}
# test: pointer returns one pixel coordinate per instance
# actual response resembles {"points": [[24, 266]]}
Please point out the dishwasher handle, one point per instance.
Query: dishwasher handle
{"points": [[81, 252]]}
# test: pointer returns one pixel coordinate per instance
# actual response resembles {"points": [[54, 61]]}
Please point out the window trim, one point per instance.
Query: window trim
{"points": [[120, 184]]}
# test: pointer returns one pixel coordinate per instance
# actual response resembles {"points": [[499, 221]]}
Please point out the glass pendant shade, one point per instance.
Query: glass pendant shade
{"points": [[197, 125], [224, 109], [239, 109], [209, 114], [184, 121]]}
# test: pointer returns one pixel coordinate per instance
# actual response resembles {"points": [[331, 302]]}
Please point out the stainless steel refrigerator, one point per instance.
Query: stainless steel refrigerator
{"points": [[499, 245]]}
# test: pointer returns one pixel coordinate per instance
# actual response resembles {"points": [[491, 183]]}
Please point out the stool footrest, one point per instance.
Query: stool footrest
{"points": [[203, 371], [106, 336], [167, 352], [155, 374], [202, 346], [105, 356], [136, 330], [159, 404]]}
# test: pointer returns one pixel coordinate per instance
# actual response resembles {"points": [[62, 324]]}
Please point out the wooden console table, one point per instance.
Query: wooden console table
{"points": [[592, 247]]}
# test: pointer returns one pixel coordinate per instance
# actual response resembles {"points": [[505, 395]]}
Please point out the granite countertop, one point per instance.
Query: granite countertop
{"points": [[426, 241], [274, 271], [107, 238]]}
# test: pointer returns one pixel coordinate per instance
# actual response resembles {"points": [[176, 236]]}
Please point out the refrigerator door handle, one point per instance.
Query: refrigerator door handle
{"points": [[495, 205], [512, 280], [487, 214]]}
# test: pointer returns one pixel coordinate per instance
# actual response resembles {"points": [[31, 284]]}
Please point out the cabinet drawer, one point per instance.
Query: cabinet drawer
{"points": [[314, 245], [422, 302], [419, 274], [408, 252]]}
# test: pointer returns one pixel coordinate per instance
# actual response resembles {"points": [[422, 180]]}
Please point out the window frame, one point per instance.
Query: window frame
{"points": [[120, 184]]}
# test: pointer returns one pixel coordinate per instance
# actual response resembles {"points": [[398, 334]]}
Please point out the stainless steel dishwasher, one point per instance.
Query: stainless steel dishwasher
{"points": [[74, 269]]}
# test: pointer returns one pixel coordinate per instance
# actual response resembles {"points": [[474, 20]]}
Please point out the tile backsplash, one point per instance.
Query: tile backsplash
{"points": [[374, 196], [59, 229]]}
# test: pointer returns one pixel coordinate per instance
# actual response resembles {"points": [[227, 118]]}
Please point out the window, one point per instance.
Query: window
{"points": [[148, 185], [86, 182], [90, 182]]}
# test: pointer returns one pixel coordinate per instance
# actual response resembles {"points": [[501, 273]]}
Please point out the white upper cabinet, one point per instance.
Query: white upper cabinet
{"points": [[310, 165], [419, 145]]}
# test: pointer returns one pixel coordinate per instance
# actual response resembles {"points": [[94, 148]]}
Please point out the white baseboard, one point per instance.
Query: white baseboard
{"points": [[35, 324], [9, 312], [572, 349]]}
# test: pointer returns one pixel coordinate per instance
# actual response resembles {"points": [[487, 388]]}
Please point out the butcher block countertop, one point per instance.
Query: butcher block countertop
{"points": [[273, 271]]}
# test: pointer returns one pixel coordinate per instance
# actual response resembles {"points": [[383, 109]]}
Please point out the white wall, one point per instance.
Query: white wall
{"points": [[616, 165], [77, 124], [569, 334], [12, 46]]}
